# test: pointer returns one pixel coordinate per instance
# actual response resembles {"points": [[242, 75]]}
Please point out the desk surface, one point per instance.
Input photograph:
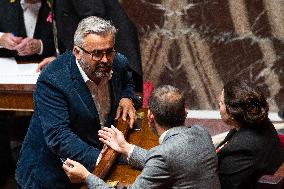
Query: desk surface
{"points": [[143, 138]]}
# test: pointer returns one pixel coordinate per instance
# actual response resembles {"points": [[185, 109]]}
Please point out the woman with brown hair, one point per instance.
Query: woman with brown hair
{"points": [[251, 147]]}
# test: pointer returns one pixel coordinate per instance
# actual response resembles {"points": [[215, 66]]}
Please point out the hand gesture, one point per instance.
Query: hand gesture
{"points": [[125, 108], [76, 172], [9, 41], [44, 62], [114, 139], [28, 46]]}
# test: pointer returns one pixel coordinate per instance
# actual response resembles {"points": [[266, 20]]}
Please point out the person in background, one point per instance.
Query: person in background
{"points": [[25, 32], [76, 95], [185, 157], [251, 147], [67, 15], [26, 35]]}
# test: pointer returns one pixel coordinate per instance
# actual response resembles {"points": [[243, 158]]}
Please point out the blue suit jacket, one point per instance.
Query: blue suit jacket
{"points": [[65, 122]]}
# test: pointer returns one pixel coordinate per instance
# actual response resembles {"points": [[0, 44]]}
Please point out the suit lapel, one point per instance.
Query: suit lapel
{"points": [[81, 87], [21, 31], [41, 20]]}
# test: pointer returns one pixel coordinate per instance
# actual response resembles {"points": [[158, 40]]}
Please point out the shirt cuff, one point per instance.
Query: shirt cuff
{"points": [[99, 158], [41, 47], [130, 151]]}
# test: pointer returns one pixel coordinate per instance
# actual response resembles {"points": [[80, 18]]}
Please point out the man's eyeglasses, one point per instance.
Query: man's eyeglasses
{"points": [[99, 54]]}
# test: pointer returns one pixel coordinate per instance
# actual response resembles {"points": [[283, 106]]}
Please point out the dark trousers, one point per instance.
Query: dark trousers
{"points": [[7, 166]]}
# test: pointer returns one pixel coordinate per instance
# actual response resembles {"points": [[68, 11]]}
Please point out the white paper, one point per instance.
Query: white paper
{"points": [[13, 73]]}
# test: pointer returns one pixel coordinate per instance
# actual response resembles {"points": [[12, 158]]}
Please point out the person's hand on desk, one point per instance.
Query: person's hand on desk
{"points": [[44, 62], [125, 108], [114, 139], [76, 172], [9, 41], [28, 46]]}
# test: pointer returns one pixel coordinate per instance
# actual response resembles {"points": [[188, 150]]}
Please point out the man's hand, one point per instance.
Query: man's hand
{"points": [[114, 139], [125, 108], [76, 172], [9, 41], [44, 62], [28, 46]]}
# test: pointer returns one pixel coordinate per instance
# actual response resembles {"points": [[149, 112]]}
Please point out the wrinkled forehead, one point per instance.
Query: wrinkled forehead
{"points": [[98, 42]]}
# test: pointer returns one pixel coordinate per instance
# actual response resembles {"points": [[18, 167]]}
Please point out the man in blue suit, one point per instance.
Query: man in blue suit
{"points": [[76, 95]]}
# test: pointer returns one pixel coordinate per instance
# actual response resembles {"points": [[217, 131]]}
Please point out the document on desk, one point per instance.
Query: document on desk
{"points": [[13, 73]]}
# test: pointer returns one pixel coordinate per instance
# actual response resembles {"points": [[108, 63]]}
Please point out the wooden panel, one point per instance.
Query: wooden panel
{"points": [[144, 138], [14, 97]]}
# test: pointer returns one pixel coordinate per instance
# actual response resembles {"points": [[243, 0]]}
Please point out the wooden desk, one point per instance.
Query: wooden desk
{"points": [[108, 169], [16, 97], [143, 138]]}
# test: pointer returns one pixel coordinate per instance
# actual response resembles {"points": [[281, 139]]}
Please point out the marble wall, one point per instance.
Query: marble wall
{"points": [[197, 45]]}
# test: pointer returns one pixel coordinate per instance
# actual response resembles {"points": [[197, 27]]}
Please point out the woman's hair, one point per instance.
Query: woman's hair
{"points": [[246, 104]]}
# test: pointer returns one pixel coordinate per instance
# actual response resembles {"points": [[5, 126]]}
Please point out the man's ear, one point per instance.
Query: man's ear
{"points": [[77, 53], [185, 113], [150, 116]]}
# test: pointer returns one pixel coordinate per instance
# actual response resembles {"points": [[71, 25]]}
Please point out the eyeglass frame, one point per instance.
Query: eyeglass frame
{"points": [[104, 53]]}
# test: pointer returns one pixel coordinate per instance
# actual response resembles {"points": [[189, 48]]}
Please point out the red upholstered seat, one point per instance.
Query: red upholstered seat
{"points": [[281, 138], [147, 90]]}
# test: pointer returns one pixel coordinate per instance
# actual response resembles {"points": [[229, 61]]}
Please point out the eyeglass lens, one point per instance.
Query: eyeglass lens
{"points": [[98, 54]]}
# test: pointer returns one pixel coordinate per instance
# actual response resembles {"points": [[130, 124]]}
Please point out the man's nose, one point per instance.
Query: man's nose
{"points": [[104, 58]]}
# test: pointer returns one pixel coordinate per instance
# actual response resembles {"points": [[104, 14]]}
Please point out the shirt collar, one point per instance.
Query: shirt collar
{"points": [[84, 75], [161, 138], [25, 5]]}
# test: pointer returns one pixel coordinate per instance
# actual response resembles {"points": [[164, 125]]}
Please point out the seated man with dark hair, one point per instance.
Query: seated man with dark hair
{"points": [[185, 157]]}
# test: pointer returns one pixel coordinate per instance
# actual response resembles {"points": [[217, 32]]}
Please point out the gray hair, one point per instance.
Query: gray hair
{"points": [[93, 25]]}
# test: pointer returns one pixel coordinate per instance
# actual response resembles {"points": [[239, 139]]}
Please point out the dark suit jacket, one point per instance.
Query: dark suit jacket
{"points": [[12, 21], [68, 13], [248, 154], [65, 122]]}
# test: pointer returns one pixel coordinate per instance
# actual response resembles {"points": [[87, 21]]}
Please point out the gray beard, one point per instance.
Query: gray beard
{"points": [[101, 74], [88, 69]]}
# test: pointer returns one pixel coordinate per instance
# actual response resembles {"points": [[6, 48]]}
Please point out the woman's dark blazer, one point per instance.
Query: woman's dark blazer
{"points": [[247, 154]]}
